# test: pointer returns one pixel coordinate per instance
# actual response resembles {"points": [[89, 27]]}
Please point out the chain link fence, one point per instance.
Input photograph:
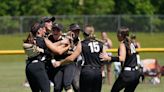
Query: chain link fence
{"points": [[137, 23]]}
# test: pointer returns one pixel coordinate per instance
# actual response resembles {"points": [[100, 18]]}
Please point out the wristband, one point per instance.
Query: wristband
{"points": [[115, 59], [53, 60]]}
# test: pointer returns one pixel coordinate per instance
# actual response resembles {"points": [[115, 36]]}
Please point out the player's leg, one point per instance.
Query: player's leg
{"points": [[58, 79], [103, 73], [42, 78], [118, 85], [97, 82], [132, 86], [69, 72], [76, 79], [86, 83], [109, 73], [31, 79]]}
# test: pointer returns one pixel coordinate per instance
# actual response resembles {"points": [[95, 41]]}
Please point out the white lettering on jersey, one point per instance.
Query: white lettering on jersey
{"points": [[132, 48], [94, 47]]}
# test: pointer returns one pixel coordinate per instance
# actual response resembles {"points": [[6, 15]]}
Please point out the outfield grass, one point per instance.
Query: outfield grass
{"points": [[12, 77], [12, 68]]}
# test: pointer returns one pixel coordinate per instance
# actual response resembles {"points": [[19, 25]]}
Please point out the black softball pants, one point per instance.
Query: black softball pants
{"points": [[128, 80], [64, 77], [90, 79], [37, 77], [76, 78]]}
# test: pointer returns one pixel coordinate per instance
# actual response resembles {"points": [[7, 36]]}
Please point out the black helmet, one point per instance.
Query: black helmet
{"points": [[74, 27]]}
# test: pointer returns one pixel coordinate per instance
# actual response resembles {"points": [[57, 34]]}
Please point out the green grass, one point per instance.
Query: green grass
{"points": [[12, 77], [12, 68]]}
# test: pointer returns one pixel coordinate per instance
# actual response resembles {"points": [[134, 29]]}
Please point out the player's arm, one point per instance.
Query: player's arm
{"points": [[122, 53], [70, 58], [121, 57], [73, 56], [58, 47]]}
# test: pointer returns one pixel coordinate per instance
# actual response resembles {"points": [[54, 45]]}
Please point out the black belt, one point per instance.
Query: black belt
{"points": [[92, 67]]}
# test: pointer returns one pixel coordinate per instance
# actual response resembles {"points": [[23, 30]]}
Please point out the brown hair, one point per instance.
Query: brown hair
{"points": [[30, 39], [124, 33]]}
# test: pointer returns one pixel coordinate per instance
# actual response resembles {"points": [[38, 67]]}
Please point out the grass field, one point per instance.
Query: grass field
{"points": [[12, 73]]}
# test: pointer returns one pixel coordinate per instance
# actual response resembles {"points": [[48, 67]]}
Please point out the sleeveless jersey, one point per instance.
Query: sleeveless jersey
{"points": [[130, 60], [91, 49]]}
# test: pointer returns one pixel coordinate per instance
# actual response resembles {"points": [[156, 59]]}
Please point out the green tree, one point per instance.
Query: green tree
{"points": [[9, 7], [158, 6], [35, 7], [64, 7], [100, 7], [133, 7]]}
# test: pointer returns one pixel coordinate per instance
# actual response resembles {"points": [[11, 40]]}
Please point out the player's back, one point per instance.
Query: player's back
{"points": [[91, 49]]}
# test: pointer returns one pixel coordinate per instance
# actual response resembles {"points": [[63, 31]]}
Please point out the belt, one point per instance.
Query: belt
{"points": [[92, 67], [131, 68]]}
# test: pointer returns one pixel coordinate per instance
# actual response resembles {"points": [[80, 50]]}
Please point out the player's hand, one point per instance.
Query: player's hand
{"points": [[104, 57], [40, 49], [56, 64]]}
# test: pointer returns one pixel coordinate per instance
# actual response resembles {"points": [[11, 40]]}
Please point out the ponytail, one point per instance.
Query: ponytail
{"points": [[124, 33], [30, 39], [127, 43]]}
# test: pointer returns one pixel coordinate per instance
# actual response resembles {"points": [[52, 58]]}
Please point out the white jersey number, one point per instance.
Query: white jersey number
{"points": [[94, 47], [132, 47]]}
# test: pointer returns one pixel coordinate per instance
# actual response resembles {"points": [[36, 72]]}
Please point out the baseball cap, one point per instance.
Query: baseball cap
{"points": [[36, 27], [74, 26], [46, 19], [58, 26]]}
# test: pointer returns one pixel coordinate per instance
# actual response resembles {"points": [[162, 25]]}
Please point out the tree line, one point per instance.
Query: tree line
{"points": [[80, 7]]}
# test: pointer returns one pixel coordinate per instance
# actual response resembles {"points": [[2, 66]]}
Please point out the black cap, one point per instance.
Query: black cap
{"points": [[74, 26], [58, 26], [36, 27], [46, 19]]}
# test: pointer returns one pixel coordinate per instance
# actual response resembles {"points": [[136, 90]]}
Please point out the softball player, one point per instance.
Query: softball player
{"points": [[75, 29], [90, 77], [63, 75], [48, 25], [35, 68], [129, 76]]}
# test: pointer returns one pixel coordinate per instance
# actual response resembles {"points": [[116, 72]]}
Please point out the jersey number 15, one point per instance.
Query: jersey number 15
{"points": [[94, 47]]}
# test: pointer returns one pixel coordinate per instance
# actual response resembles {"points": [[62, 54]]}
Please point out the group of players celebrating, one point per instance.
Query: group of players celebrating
{"points": [[70, 63]]}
